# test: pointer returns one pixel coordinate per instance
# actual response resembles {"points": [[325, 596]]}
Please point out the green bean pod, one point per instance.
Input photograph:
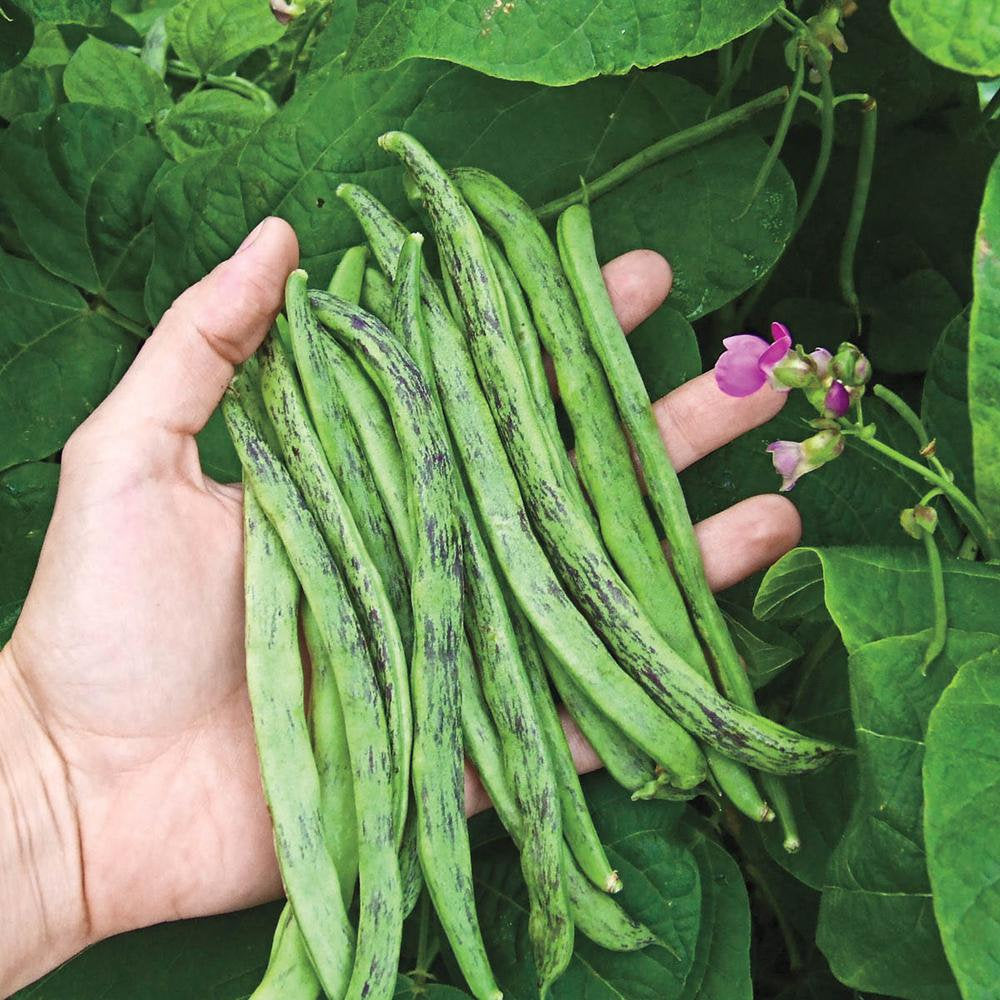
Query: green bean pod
{"points": [[578, 826], [579, 257], [348, 275], [436, 592], [288, 771], [528, 347], [333, 759], [622, 759], [602, 452], [380, 919], [503, 516], [571, 545], [505, 686], [324, 373], [307, 465], [595, 913], [289, 974]]}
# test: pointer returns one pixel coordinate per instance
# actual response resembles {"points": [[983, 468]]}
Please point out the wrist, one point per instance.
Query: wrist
{"points": [[42, 895]]}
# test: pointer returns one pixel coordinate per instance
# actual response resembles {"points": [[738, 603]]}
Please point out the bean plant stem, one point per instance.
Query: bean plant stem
{"points": [[236, 84], [856, 216], [812, 190], [129, 325], [939, 630], [742, 63], [903, 409], [970, 513], [676, 143]]}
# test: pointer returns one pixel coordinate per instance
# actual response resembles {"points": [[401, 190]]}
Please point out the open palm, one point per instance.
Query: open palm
{"points": [[129, 650]]}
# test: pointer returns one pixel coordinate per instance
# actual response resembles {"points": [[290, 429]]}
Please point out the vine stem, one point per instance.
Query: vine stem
{"points": [[742, 62], [939, 630], [966, 508], [676, 143], [909, 415], [856, 216], [812, 190], [136, 329]]}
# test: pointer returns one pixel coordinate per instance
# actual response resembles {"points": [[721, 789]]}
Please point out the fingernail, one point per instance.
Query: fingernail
{"points": [[251, 237]]}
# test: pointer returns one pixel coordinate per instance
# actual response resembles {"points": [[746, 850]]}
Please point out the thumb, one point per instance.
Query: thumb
{"points": [[179, 376]]}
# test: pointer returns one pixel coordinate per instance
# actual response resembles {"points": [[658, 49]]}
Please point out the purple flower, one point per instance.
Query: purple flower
{"points": [[837, 401], [787, 458], [748, 361], [793, 459]]}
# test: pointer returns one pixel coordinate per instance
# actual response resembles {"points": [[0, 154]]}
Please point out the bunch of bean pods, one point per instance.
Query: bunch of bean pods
{"points": [[412, 511]]}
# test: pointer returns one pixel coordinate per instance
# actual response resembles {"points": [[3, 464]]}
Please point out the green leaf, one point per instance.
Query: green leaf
{"points": [[58, 360], [963, 36], [666, 351], [16, 36], [962, 792], [25, 89], [721, 967], [822, 801], [215, 449], [877, 927], [99, 73], [218, 957], [945, 407], [27, 495], [907, 321], [208, 34], [75, 185], [984, 353], [550, 44], [208, 119], [327, 133], [765, 648], [91, 13]]}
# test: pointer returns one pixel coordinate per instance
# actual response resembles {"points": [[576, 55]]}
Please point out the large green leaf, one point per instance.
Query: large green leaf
{"points": [[908, 317], [208, 34], [963, 36], [822, 801], [721, 967], [100, 73], [962, 791], [219, 957], [877, 926], [58, 360], [549, 43], [208, 119], [75, 184], [87, 12], [945, 407], [16, 37], [984, 353], [27, 495], [327, 133]]}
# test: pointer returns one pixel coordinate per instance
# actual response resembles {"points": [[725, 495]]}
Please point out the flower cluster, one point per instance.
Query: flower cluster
{"points": [[833, 384]]}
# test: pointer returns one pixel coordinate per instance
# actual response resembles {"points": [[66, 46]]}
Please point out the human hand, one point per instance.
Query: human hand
{"points": [[124, 717]]}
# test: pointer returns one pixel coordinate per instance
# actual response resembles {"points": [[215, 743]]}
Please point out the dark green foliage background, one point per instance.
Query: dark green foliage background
{"points": [[122, 185]]}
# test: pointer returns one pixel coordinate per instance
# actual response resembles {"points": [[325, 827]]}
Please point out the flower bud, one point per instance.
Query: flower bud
{"points": [[918, 521], [794, 371], [837, 401], [850, 366]]}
